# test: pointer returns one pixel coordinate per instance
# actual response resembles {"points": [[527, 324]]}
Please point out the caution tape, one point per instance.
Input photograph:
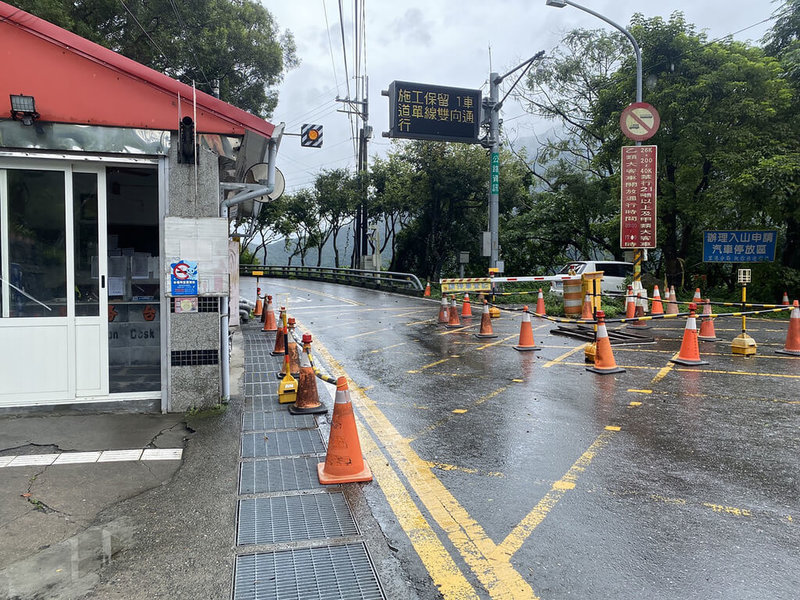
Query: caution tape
{"points": [[637, 319], [320, 375]]}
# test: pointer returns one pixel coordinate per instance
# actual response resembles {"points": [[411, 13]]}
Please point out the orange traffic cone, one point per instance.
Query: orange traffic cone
{"points": [[486, 324], [269, 319], [792, 346], [540, 308], [639, 323], [526, 343], [444, 311], [280, 338], [307, 402], [294, 358], [427, 293], [604, 363], [453, 320], [690, 350], [259, 305], [698, 299], [630, 304], [343, 461], [672, 302], [656, 308], [466, 308], [586, 312], [707, 333], [785, 301]]}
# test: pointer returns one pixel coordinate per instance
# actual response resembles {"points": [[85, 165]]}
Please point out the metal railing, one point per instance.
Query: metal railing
{"points": [[406, 283]]}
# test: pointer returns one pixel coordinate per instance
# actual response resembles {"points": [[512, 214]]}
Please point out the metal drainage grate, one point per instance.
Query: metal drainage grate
{"points": [[286, 474], [333, 572], [260, 377], [276, 419], [294, 518], [282, 443], [265, 391]]}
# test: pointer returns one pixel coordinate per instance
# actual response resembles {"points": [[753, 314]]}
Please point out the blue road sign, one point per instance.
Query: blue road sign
{"points": [[739, 246], [183, 278]]}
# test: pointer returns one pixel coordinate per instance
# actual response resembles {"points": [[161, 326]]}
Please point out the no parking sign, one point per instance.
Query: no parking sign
{"points": [[183, 277]]}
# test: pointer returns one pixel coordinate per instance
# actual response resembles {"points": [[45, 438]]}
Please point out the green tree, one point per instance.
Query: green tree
{"points": [[336, 193], [234, 42]]}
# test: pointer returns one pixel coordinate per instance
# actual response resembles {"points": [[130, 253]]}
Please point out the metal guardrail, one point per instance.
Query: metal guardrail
{"points": [[406, 283]]}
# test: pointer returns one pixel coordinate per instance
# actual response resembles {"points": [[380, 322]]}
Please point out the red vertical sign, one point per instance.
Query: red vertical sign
{"points": [[638, 212]]}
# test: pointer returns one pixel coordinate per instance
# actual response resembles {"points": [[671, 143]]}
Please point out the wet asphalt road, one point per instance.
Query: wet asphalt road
{"points": [[521, 475]]}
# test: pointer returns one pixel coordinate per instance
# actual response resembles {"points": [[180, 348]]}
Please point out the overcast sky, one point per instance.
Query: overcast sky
{"points": [[444, 43]]}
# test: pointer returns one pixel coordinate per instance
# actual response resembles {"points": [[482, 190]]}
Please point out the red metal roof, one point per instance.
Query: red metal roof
{"points": [[77, 81]]}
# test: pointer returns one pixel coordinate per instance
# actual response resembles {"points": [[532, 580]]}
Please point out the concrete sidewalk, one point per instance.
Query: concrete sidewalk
{"points": [[141, 525]]}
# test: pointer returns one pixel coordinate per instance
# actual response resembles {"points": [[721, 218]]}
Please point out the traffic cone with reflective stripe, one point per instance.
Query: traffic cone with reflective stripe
{"points": [[427, 293], [486, 324], [307, 402], [656, 308], [586, 312], [453, 320], [792, 345], [343, 461], [639, 323], [785, 301], [294, 355], [444, 311], [540, 308], [630, 304], [689, 354], [466, 308], [526, 342], [698, 299], [269, 318], [280, 338], [604, 363], [672, 302], [259, 305], [707, 333]]}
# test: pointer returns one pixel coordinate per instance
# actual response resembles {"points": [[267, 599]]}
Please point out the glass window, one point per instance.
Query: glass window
{"points": [[37, 243], [84, 215]]}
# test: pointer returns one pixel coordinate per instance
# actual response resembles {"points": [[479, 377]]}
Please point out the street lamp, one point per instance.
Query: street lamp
{"points": [[637, 253], [637, 51]]}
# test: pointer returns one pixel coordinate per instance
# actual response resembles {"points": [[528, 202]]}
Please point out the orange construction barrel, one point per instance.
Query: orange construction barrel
{"points": [[573, 298]]}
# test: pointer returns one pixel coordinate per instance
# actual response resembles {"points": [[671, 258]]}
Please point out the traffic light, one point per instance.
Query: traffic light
{"points": [[311, 136]]}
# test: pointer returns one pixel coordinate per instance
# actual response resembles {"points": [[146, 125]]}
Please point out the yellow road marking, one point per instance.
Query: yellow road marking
{"points": [[444, 420], [446, 575], [521, 532], [664, 371], [613, 428], [457, 330], [388, 347], [350, 337], [634, 403], [460, 411], [484, 346], [558, 359], [739, 373], [420, 322], [497, 575], [641, 391]]}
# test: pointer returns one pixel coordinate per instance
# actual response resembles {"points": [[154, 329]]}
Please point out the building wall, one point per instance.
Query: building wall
{"points": [[194, 337]]}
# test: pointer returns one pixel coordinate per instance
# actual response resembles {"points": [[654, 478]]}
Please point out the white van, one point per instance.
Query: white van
{"points": [[614, 274]]}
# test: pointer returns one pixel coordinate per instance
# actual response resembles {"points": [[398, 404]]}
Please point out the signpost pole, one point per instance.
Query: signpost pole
{"points": [[494, 150]]}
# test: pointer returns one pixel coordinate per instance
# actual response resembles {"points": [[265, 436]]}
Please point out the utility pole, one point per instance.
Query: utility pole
{"points": [[492, 142], [360, 108]]}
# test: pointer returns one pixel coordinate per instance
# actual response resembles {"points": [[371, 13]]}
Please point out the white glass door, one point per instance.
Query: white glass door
{"points": [[53, 321]]}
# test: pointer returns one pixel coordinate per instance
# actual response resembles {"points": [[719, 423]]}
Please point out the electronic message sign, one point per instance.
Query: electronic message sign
{"points": [[419, 111]]}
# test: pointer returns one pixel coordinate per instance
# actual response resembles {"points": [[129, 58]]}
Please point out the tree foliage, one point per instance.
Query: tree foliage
{"points": [[234, 42]]}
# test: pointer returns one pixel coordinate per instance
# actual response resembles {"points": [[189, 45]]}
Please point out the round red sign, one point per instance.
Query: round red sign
{"points": [[639, 121]]}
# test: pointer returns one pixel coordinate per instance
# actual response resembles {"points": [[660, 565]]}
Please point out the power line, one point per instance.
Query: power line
{"points": [[330, 44], [182, 25], [144, 31]]}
